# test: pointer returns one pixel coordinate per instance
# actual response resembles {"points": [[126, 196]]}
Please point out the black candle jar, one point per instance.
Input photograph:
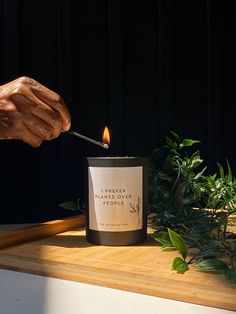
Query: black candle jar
{"points": [[117, 200]]}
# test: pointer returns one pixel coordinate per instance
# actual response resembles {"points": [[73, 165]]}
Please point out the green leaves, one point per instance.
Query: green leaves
{"points": [[69, 205], [178, 243], [188, 142], [171, 144], [230, 274], [172, 241], [74, 205], [213, 265], [181, 194], [205, 260], [179, 265], [163, 238], [174, 142]]}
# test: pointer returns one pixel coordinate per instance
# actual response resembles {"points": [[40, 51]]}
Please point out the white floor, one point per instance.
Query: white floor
{"points": [[22, 293]]}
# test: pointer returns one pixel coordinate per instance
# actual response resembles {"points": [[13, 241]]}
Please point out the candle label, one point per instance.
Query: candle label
{"points": [[115, 198]]}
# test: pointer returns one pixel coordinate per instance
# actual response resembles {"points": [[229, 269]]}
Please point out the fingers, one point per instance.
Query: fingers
{"points": [[25, 99], [38, 127], [32, 112], [50, 117], [41, 96], [27, 128], [17, 129], [28, 104], [30, 138], [55, 102]]}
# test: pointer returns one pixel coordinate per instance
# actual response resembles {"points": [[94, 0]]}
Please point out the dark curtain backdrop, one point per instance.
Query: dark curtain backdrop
{"points": [[141, 67]]}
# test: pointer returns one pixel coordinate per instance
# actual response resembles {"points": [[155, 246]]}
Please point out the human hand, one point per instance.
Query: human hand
{"points": [[31, 112]]}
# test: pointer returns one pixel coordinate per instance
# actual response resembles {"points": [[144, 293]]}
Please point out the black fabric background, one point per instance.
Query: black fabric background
{"points": [[141, 67]]}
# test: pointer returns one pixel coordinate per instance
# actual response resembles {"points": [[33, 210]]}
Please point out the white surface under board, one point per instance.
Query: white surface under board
{"points": [[22, 293]]}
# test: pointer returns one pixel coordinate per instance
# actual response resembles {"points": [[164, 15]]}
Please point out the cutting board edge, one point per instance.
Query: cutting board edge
{"points": [[40, 231], [86, 275]]}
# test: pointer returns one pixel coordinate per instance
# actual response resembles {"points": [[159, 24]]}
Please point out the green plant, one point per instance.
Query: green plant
{"points": [[73, 205], [191, 211]]}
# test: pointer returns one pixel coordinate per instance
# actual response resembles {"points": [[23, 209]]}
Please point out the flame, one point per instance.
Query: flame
{"points": [[106, 136]]}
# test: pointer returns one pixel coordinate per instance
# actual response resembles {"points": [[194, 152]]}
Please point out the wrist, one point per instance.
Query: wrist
{"points": [[3, 125], [2, 130]]}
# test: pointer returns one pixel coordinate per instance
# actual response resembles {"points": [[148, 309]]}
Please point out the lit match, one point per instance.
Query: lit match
{"points": [[104, 144]]}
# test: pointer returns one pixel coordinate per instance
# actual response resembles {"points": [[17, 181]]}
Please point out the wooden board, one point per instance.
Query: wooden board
{"points": [[37, 231], [142, 268]]}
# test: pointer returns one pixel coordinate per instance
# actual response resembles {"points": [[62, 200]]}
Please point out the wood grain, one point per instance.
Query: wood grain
{"points": [[142, 268], [41, 230]]}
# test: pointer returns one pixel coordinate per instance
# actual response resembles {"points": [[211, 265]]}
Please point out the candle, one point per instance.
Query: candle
{"points": [[117, 200]]}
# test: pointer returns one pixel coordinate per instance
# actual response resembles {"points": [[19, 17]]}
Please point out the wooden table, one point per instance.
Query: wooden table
{"points": [[142, 269]]}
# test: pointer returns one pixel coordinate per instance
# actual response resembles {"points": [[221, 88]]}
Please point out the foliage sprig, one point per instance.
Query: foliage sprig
{"points": [[191, 211]]}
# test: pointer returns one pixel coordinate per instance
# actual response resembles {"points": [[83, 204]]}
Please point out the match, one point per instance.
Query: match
{"points": [[88, 139]]}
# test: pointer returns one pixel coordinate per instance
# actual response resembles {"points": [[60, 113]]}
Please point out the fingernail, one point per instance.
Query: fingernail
{"points": [[48, 134], [68, 125]]}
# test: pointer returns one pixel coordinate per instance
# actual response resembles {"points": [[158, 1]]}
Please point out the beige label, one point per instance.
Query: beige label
{"points": [[115, 198]]}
